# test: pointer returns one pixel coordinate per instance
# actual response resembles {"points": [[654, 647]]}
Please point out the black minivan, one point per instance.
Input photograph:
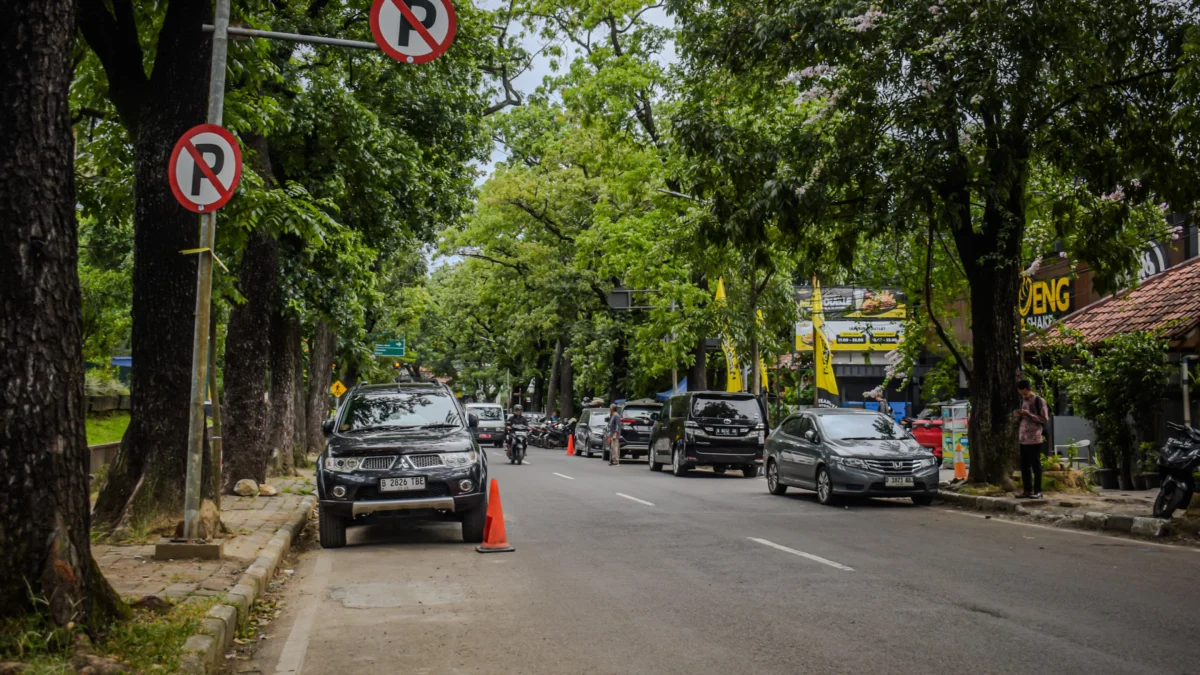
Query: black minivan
{"points": [[709, 428]]}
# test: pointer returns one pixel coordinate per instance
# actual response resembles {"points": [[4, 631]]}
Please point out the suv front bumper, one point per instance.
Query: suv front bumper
{"points": [[443, 491]]}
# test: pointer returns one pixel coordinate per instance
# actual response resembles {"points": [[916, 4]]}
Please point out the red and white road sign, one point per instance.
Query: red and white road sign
{"points": [[413, 31], [205, 168]]}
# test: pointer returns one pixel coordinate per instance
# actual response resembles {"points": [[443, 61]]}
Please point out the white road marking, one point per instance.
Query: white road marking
{"points": [[291, 660], [802, 554], [640, 501], [563, 475]]}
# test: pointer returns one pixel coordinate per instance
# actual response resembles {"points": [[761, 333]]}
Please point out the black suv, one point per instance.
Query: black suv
{"points": [[401, 450], [637, 419], [709, 428]]}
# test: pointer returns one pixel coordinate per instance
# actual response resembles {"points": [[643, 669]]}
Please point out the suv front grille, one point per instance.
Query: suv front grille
{"points": [[424, 461], [899, 467], [376, 463]]}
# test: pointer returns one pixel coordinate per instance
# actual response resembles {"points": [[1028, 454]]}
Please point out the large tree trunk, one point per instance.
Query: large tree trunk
{"points": [[552, 386], [299, 444], [146, 480], [44, 510], [283, 393], [697, 375], [320, 360], [566, 393], [247, 351]]}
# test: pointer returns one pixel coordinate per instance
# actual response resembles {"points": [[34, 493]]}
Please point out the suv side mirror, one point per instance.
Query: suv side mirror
{"points": [[327, 427], [810, 436], [654, 416], [472, 420]]}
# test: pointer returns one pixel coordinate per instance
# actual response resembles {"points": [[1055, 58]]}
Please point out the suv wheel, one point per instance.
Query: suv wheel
{"points": [[332, 529], [773, 484], [472, 524], [825, 488], [678, 467], [654, 465], [750, 471]]}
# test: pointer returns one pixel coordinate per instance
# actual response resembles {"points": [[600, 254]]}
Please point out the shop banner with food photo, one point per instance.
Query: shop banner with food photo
{"points": [[856, 319]]}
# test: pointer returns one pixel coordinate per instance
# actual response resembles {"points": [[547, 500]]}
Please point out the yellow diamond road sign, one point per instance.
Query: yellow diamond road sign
{"points": [[337, 389]]}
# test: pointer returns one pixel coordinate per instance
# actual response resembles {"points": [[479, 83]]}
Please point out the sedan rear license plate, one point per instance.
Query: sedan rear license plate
{"points": [[641, 428], [898, 481], [402, 484]]}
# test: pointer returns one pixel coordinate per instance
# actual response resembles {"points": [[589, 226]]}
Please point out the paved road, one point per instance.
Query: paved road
{"points": [[711, 574]]}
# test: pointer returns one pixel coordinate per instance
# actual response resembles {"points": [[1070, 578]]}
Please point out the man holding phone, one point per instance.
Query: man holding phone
{"points": [[1032, 415]]}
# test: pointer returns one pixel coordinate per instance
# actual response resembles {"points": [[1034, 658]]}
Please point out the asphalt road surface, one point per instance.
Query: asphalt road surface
{"points": [[621, 570]]}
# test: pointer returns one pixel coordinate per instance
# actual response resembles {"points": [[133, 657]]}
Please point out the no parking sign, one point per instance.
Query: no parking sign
{"points": [[205, 168], [413, 31]]}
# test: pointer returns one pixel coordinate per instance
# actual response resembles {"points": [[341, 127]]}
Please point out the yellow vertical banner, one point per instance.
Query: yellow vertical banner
{"points": [[734, 381], [762, 368], [826, 381]]}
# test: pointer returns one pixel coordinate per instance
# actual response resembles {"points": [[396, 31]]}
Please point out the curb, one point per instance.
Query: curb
{"points": [[1144, 527], [205, 650]]}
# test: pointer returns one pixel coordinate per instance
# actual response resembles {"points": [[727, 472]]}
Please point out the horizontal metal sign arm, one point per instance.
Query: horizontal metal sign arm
{"points": [[294, 37]]}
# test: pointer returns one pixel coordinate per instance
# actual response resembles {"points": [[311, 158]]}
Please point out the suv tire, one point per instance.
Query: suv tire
{"points": [[922, 500], [654, 465], [473, 522], [678, 466], [825, 494], [750, 471], [773, 484], [331, 528]]}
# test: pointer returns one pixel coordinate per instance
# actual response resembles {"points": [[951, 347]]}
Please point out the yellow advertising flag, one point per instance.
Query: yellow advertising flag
{"points": [[762, 369], [822, 355], [734, 381]]}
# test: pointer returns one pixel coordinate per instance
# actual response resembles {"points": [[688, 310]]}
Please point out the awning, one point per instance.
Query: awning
{"points": [[662, 396]]}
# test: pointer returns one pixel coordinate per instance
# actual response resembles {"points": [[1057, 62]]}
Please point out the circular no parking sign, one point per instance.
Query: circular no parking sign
{"points": [[413, 31]]}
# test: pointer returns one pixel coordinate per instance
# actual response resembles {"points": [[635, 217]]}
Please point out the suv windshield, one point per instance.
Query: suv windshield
{"points": [[738, 409], [400, 410], [640, 412], [485, 412], [861, 427]]}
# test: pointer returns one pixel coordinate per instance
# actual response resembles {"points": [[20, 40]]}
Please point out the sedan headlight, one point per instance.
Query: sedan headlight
{"points": [[926, 462], [456, 460], [341, 464], [853, 462]]}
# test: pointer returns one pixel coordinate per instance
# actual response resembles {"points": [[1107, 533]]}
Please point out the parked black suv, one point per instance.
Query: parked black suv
{"points": [[401, 450], [709, 428], [637, 419]]}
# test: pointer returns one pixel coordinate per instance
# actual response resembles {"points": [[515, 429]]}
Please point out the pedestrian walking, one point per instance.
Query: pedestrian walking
{"points": [[612, 438], [1032, 415]]}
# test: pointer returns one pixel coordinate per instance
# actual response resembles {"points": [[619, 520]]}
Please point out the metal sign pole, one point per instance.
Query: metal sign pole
{"points": [[204, 272]]}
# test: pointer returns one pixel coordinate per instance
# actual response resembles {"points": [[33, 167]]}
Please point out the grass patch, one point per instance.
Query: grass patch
{"points": [[107, 427], [147, 642]]}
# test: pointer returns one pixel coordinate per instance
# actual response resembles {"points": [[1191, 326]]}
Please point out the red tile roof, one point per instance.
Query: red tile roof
{"points": [[1169, 301]]}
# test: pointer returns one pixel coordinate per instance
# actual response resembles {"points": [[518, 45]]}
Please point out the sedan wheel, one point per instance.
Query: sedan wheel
{"points": [[824, 487], [773, 484]]}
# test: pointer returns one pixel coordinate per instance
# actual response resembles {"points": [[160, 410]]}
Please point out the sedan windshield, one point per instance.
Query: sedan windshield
{"points": [[861, 428], [485, 412], [400, 410], [736, 409]]}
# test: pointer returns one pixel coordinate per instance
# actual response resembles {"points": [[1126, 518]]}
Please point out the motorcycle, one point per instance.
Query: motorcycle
{"points": [[1177, 462], [537, 435], [556, 435], [514, 447]]}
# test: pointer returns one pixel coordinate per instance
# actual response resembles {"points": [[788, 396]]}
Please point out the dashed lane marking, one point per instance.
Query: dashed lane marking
{"points": [[635, 499], [563, 475], [802, 554]]}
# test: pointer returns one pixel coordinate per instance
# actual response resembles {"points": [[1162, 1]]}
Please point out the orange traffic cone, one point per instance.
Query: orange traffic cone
{"points": [[960, 467], [495, 539], [571, 444]]}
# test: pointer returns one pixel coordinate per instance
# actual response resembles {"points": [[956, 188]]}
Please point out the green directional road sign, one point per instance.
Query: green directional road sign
{"points": [[392, 348]]}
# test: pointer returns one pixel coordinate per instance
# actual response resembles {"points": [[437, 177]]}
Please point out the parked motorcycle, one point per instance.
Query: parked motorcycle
{"points": [[1177, 462], [518, 440], [537, 435], [556, 435]]}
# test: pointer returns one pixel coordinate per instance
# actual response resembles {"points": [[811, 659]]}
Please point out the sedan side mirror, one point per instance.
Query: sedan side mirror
{"points": [[472, 420], [810, 436], [327, 427]]}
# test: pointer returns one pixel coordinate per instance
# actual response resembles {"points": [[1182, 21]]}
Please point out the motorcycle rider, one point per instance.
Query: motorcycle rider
{"points": [[517, 418]]}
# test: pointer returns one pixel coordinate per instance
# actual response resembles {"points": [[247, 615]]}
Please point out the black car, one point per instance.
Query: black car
{"points": [[709, 428], [401, 450], [637, 420]]}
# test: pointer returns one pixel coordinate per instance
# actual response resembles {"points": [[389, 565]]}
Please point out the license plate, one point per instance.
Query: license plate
{"points": [[402, 484], [641, 428], [485, 435], [898, 481], [724, 432]]}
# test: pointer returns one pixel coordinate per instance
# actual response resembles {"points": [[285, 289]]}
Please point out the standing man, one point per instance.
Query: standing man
{"points": [[612, 438], [1032, 414]]}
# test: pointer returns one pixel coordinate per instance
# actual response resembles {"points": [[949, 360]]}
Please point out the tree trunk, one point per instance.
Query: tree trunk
{"points": [[145, 482], [44, 509], [247, 351], [566, 393], [320, 360], [697, 375], [283, 394], [299, 445], [555, 374], [620, 366]]}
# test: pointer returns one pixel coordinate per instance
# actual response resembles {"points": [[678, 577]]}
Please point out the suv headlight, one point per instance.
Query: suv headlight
{"points": [[341, 464], [458, 460], [851, 462]]}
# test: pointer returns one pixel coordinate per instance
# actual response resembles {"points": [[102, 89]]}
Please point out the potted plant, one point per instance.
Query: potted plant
{"points": [[1150, 466]]}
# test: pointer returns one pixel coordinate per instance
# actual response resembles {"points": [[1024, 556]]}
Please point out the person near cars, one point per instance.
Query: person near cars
{"points": [[612, 438], [517, 418], [554, 417], [1032, 415]]}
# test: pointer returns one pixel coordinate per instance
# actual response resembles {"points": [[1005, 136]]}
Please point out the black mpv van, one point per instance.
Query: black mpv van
{"points": [[720, 429]]}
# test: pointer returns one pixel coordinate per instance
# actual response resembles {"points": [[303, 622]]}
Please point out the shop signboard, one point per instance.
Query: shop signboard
{"points": [[1045, 301], [857, 319]]}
